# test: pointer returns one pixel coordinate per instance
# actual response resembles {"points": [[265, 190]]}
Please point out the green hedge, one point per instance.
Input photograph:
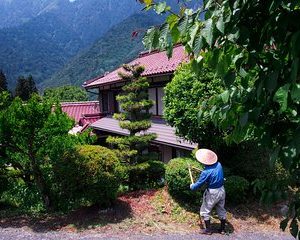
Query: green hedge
{"points": [[89, 175], [149, 174], [178, 179], [236, 188]]}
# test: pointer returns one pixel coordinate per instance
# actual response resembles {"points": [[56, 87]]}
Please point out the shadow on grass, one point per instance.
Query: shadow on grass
{"points": [[248, 210], [81, 219], [261, 213]]}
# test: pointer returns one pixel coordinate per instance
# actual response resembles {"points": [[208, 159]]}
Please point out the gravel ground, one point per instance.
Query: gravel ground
{"points": [[27, 234]]}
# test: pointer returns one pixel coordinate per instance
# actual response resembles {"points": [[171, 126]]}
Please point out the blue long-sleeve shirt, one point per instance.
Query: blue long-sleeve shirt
{"points": [[212, 175]]}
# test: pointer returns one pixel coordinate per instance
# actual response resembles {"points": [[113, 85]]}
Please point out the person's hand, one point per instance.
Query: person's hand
{"points": [[191, 186]]}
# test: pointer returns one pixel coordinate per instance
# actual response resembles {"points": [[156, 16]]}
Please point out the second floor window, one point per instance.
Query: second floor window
{"points": [[156, 94]]}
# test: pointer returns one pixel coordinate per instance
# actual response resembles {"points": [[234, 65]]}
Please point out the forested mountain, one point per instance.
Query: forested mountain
{"points": [[39, 37], [116, 47], [88, 18], [39, 47], [17, 12]]}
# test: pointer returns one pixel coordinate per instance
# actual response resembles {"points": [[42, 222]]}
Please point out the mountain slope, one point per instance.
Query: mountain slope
{"points": [[89, 19], [39, 47], [110, 51], [15, 12], [39, 36]]}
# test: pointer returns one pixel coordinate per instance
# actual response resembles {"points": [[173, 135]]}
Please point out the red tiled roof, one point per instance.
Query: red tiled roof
{"points": [[155, 63], [89, 118], [78, 110], [165, 134]]}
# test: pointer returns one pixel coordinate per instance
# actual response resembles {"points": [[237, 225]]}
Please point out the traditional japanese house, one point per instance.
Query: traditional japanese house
{"points": [[159, 70]]}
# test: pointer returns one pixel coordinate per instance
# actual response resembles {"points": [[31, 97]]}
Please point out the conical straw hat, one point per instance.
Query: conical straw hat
{"points": [[206, 156]]}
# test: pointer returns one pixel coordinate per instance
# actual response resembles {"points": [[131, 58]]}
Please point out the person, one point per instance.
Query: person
{"points": [[214, 195]]}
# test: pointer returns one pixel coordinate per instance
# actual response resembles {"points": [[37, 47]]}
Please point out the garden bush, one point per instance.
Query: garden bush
{"points": [[247, 160], [236, 189], [178, 179], [25, 197], [88, 175], [149, 174], [266, 190]]}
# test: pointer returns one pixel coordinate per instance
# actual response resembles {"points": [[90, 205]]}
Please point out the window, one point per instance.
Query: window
{"points": [[156, 94], [152, 96], [105, 101], [160, 95]]}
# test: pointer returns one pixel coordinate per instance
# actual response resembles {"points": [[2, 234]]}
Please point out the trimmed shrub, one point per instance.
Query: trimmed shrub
{"points": [[89, 175], [236, 189], [149, 174], [178, 179]]}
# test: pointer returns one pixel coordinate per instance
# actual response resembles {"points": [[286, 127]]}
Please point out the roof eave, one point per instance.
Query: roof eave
{"points": [[153, 141], [120, 80]]}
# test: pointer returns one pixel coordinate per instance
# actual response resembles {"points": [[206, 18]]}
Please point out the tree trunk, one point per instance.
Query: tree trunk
{"points": [[42, 186]]}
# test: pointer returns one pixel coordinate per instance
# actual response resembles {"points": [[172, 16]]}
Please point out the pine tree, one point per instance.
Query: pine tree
{"points": [[3, 82], [135, 118], [25, 88]]}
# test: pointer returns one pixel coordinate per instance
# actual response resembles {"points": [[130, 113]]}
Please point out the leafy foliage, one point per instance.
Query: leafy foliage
{"points": [[25, 88], [148, 174], [248, 160], [183, 98], [89, 174], [66, 94], [21, 195], [5, 99], [178, 179], [30, 134], [270, 192], [236, 189], [135, 116], [254, 47]]}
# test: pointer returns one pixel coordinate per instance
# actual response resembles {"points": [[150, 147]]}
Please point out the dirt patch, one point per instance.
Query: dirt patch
{"points": [[147, 212]]}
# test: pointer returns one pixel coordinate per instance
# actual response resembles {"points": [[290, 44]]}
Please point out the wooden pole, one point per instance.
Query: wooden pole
{"points": [[190, 172]]}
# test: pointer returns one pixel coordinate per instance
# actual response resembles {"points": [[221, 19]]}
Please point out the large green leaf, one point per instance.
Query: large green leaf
{"points": [[151, 39], [161, 7], [221, 25], [208, 32], [198, 44], [183, 24], [281, 96], [164, 33], [295, 93], [193, 34], [172, 20], [225, 96]]}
